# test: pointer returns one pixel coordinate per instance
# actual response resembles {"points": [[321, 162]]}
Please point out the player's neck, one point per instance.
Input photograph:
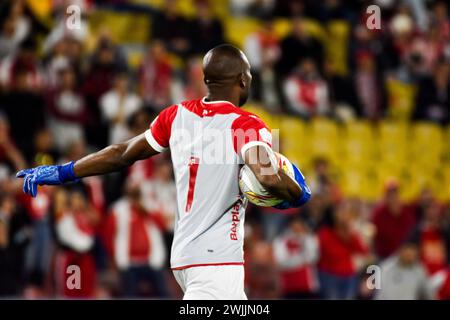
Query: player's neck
{"points": [[222, 97]]}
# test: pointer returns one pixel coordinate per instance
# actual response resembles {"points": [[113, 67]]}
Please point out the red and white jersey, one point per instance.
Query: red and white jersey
{"points": [[134, 236], [207, 140]]}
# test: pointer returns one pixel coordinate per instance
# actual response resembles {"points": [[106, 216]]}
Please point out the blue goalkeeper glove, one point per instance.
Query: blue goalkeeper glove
{"points": [[46, 175], [306, 193]]}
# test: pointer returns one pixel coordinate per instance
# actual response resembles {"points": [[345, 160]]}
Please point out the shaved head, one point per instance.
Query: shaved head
{"points": [[226, 67]]}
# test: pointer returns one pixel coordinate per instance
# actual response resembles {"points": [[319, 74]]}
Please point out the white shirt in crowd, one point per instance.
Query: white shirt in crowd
{"points": [[400, 282], [111, 105]]}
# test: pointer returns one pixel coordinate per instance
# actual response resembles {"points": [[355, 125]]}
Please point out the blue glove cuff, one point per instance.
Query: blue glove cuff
{"points": [[66, 172], [306, 192]]}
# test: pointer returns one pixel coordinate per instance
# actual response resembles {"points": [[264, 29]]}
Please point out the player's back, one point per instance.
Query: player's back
{"points": [[206, 139]]}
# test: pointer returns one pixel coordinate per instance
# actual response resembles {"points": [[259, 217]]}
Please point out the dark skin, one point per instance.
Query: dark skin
{"points": [[228, 78]]}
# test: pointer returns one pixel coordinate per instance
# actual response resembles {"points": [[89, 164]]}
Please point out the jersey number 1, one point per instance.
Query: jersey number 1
{"points": [[193, 168]]}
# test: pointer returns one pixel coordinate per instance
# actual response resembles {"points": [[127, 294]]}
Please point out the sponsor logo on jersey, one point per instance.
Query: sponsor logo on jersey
{"points": [[234, 222]]}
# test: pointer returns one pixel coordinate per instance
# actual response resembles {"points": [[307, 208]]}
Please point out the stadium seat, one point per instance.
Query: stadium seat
{"points": [[391, 142], [401, 97], [426, 144], [416, 178], [237, 29], [124, 27], [446, 149], [269, 119], [324, 133], [443, 189], [282, 27], [355, 183], [357, 144], [42, 9], [293, 142]]}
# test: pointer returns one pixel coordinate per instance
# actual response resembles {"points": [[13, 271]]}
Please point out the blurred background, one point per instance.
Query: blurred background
{"points": [[364, 113]]}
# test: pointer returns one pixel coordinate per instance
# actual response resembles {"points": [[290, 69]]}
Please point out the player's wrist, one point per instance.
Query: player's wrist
{"points": [[304, 196], [66, 172]]}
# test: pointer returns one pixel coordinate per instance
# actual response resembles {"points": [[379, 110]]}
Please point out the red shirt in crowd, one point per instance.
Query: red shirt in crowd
{"points": [[336, 253], [432, 250], [444, 290], [392, 230], [139, 244], [301, 278]]}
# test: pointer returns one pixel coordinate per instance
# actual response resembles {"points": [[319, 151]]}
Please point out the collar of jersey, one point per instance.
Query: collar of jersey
{"points": [[209, 103]]}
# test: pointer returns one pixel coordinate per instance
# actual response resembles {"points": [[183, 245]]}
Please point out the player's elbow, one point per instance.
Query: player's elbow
{"points": [[269, 181], [118, 155]]}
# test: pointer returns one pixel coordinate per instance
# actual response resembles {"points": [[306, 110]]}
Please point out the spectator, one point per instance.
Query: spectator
{"points": [[159, 193], [206, 29], [117, 105], [433, 98], [133, 237], [401, 87], [39, 251], [10, 37], [393, 221], [143, 170], [92, 185], [339, 245], [106, 63], [440, 285], [6, 211], [14, 237], [306, 91], [195, 86], [368, 87], [22, 128], [44, 151], [75, 222], [292, 8], [61, 28], [403, 277], [425, 199], [67, 109], [274, 221], [399, 72], [155, 76], [296, 252], [439, 20], [23, 63], [297, 46], [263, 51], [322, 180], [256, 8], [172, 28], [17, 27], [430, 237], [8, 151], [66, 52], [261, 276]]}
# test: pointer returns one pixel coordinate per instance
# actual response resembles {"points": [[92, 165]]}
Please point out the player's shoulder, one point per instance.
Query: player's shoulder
{"points": [[248, 119], [172, 110], [169, 112], [194, 106]]}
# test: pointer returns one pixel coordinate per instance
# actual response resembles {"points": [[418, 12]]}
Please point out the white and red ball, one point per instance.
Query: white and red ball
{"points": [[254, 191]]}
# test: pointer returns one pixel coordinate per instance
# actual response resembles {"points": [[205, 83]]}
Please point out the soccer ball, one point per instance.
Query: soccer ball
{"points": [[254, 191]]}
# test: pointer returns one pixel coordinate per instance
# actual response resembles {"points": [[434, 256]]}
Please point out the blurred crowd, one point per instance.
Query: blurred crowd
{"points": [[60, 100]]}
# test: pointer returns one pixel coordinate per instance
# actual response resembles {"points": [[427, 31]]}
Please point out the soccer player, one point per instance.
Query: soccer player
{"points": [[207, 250]]}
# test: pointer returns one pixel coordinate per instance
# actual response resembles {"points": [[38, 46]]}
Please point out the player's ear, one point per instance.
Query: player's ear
{"points": [[242, 82]]}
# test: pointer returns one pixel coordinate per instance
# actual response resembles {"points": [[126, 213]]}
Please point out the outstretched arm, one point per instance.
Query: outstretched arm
{"points": [[110, 159], [114, 157]]}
